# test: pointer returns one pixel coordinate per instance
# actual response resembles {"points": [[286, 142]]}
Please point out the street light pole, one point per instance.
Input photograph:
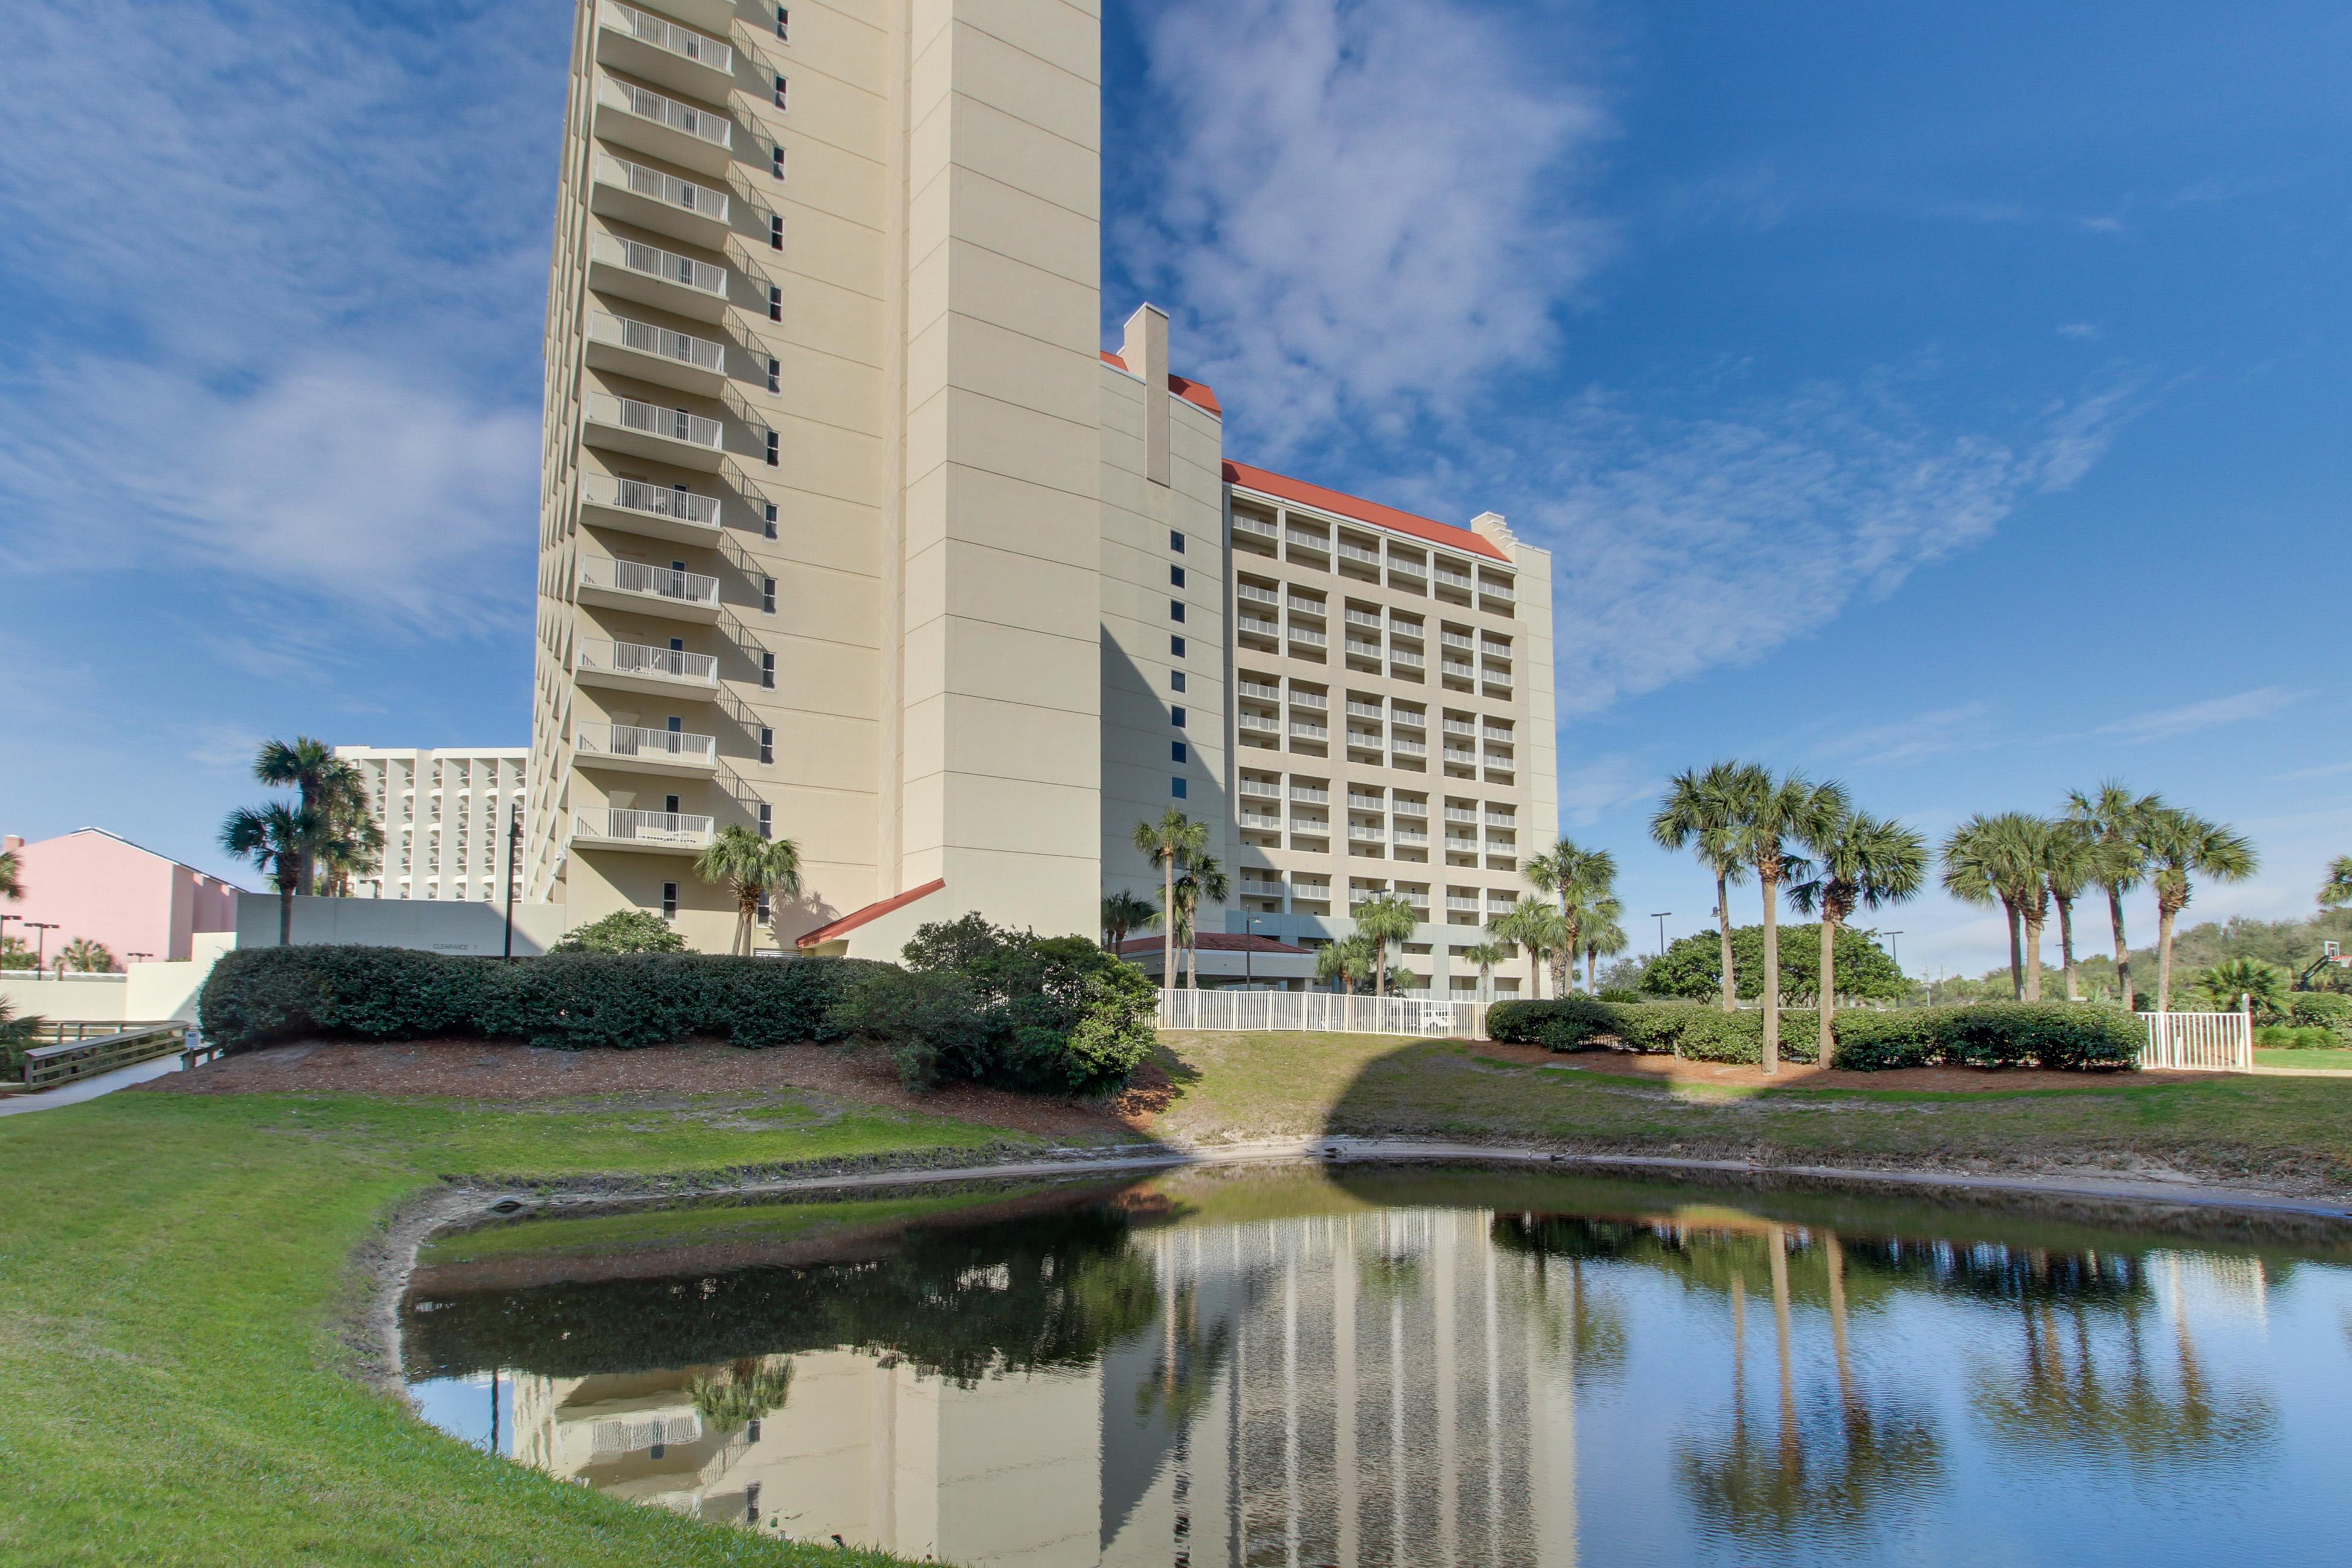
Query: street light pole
{"points": [[514, 844], [1893, 948], [1660, 916], [41, 941], [1249, 974]]}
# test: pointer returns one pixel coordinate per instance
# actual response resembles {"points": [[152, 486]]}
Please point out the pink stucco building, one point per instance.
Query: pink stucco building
{"points": [[92, 883]]}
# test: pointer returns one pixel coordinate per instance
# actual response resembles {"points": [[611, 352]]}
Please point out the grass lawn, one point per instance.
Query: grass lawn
{"points": [[171, 1269], [2327, 1061], [2276, 1131]]}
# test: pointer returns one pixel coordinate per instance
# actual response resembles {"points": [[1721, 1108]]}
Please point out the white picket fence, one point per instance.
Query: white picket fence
{"points": [[2207, 1042], [1320, 1012]]}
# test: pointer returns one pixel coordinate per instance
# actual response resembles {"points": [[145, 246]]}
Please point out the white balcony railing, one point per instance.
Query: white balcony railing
{"points": [[1312, 794], [1405, 748], [1468, 814], [1312, 827], [1408, 836], [1408, 718], [1364, 710], [1261, 890], [1399, 627], [1256, 527], [653, 501], [1462, 640], [1460, 905], [1405, 566], [1404, 658], [1502, 819], [1357, 617], [1496, 736], [1461, 755], [655, 582], [1262, 789], [1302, 731], [1453, 579], [1259, 723], [668, 36], [675, 424], [661, 828], [1307, 637], [1262, 819], [644, 338], [1364, 739], [1468, 844], [1366, 803], [666, 189], [1257, 628], [653, 261], [1258, 690], [655, 745], [1358, 648], [1460, 671], [1314, 700], [1412, 808], [1304, 606], [1305, 541], [1250, 593], [1364, 833], [636, 658], [1495, 590], [1461, 727], [646, 104], [1314, 892], [1357, 553]]}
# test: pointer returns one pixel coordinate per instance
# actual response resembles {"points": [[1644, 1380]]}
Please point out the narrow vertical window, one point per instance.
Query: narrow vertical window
{"points": [[767, 744], [1175, 609], [1176, 717], [783, 31], [776, 163], [752, 1507], [784, 93], [768, 518], [1176, 788], [1176, 540], [1175, 680], [1175, 647], [776, 232], [1175, 751], [775, 375], [1175, 576], [767, 820], [772, 453], [768, 594], [775, 303], [669, 901], [768, 670]]}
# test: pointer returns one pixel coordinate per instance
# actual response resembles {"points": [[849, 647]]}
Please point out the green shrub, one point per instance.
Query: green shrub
{"points": [[980, 1003], [623, 931], [2288, 1037], [574, 1000], [1690, 1029], [2009, 1033], [2322, 1010]]}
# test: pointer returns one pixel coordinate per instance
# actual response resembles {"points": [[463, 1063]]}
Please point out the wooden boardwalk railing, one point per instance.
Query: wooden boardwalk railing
{"points": [[88, 1055]]}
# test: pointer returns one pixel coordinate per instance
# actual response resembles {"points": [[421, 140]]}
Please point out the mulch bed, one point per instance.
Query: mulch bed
{"points": [[1793, 1074], [513, 1074]]}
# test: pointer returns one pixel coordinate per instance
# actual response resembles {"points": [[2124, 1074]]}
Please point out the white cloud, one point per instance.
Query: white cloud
{"points": [[1596, 786], [2165, 723], [2078, 330], [1368, 209], [1965, 726], [2332, 770]]}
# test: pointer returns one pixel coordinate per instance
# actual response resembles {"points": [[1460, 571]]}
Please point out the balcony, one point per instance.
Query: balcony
{"points": [[1371, 803], [1304, 606], [1365, 832], [1364, 741], [1314, 700], [649, 275], [1412, 808], [644, 121], [1256, 724], [1494, 736], [1310, 827], [659, 511], [1462, 640], [1408, 567], [1251, 594], [648, 198], [1301, 540], [634, 586], [1461, 727], [647, 832], [659, 50], [1359, 554], [1371, 711], [1408, 718], [1452, 577], [1262, 789], [1454, 671], [1248, 527], [1368, 651], [1405, 658], [633, 666], [1399, 746], [1258, 690], [1264, 821], [1456, 904], [1408, 836], [675, 436], [628, 748], [1260, 890], [1460, 757], [1502, 819], [1499, 591], [648, 352], [1310, 892], [1310, 795], [1308, 636], [1369, 619], [1302, 731], [1252, 627]]}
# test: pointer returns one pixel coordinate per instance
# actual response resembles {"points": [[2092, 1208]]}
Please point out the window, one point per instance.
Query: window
{"points": [[1175, 609], [775, 375], [767, 744], [677, 645], [677, 725], [1175, 576], [1176, 717], [776, 302], [784, 93], [773, 453], [1175, 680], [762, 917], [776, 233], [768, 670], [1175, 647], [670, 803], [776, 163], [767, 825], [1176, 540], [669, 900], [1175, 751], [1175, 788], [768, 594], [768, 518], [783, 31]]}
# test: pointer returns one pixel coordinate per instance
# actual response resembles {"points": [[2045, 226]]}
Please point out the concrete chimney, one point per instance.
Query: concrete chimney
{"points": [[1146, 353]]}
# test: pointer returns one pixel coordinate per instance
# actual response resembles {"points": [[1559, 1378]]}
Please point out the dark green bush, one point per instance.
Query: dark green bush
{"points": [[623, 931], [980, 1003], [2007, 1034], [256, 996], [2325, 1010]]}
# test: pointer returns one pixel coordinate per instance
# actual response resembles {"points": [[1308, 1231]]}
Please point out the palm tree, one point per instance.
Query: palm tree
{"points": [[2001, 860], [1859, 862], [2070, 863], [1122, 912], [275, 837], [88, 957], [1485, 956], [1204, 878], [331, 789], [2265, 985], [2180, 845], [1699, 813], [1775, 813], [1382, 921], [2111, 816], [1536, 927], [2335, 893], [1174, 837], [12, 877], [1335, 963], [1603, 937], [754, 868], [1577, 877]]}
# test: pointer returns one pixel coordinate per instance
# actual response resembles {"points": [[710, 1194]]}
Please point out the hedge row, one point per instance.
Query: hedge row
{"points": [[2328, 1010], [1994, 1034], [257, 995]]}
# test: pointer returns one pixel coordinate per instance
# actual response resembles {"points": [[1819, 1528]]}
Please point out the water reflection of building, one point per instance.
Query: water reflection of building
{"points": [[1375, 1388]]}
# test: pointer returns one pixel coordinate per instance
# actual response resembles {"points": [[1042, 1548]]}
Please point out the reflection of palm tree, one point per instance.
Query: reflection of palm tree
{"points": [[2060, 1398], [744, 1391]]}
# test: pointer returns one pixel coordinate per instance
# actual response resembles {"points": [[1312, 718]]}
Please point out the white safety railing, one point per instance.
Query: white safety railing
{"points": [[675, 424], [656, 582], [653, 261], [636, 658], [666, 189], [644, 338], [670, 37], [634, 740], [654, 500], [2199, 1042], [664, 827], [700, 123], [1255, 526], [1320, 1012]]}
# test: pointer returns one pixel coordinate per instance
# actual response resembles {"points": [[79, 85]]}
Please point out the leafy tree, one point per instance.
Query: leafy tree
{"points": [[2070, 863], [2111, 817], [1174, 837], [334, 796], [12, 877], [1383, 922], [1485, 956], [16, 953], [2182, 846], [1122, 912], [1692, 967], [1537, 928], [276, 837], [1340, 964], [1579, 877], [2003, 859], [1776, 815], [1700, 813], [88, 957], [1204, 878], [1859, 862], [1603, 937], [754, 868], [623, 931], [2336, 893]]}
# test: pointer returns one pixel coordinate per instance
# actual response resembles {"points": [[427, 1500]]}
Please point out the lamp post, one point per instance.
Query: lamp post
{"points": [[41, 941], [1249, 928], [514, 844], [1660, 916], [1893, 948]]}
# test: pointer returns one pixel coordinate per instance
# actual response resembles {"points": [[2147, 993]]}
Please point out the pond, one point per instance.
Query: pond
{"points": [[1401, 1364]]}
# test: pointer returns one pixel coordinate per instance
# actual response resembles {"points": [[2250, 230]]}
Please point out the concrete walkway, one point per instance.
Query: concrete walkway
{"points": [[90, 1087]]}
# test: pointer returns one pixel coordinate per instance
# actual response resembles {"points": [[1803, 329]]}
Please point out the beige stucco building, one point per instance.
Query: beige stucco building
{"points": [[444, 815], [852, 532]]}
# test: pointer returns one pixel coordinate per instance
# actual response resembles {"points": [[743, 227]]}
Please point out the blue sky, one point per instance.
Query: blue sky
{"points": [[1951, 402]]}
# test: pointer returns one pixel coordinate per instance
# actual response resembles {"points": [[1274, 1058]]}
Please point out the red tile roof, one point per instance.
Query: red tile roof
{"points": [[855, 918], [1196, 392], [1362, 510], [1213, 941]]}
